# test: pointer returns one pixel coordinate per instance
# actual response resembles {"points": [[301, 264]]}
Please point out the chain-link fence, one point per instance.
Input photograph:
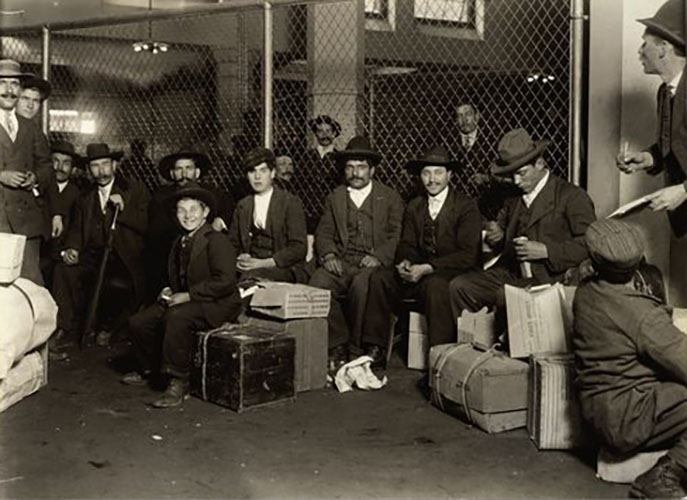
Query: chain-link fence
{"points": [[394, 70]]}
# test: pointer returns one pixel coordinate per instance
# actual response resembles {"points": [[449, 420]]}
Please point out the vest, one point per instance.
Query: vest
{"points": [[429, 235], [261, 243], [359, 225]]}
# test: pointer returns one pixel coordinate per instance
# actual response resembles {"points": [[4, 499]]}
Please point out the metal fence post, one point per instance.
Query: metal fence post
{"points": [[45, 70], [576, 55], [267, 75]]}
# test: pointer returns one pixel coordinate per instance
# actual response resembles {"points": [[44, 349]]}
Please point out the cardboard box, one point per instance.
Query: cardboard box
{"points": [[539, 319], [290, 301], [554, 420], [312, 341], [625, 468], [418, 341], [243, 366], [478, 329], [492, 386], [11, 256]]}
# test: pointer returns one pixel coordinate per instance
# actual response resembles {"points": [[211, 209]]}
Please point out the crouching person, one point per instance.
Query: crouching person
{"points": [[630, 361], [201, 294]]}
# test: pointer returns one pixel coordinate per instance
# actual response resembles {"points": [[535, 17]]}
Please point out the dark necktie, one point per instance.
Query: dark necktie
{"points": [[666, 112]]}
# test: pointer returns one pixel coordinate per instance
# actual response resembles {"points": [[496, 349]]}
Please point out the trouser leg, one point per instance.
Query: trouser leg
{"points": [[31, 268], [338, 327], [670, 429], [356, 303], [145, 332], [181, 322], [432, 293], [383, 299], [68, 294]]}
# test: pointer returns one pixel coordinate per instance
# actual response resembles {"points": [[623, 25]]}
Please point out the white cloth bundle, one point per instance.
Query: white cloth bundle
{"points": [[358, 373]]}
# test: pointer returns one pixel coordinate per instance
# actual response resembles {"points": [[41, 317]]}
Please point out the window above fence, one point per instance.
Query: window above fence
{"points": [[450, 18]]}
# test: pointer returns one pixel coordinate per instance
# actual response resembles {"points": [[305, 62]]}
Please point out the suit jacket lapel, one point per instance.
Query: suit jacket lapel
{"points": [[377, 208], [276, 207], [199, 243], [246, 222], [340, 207], [543, 203]]}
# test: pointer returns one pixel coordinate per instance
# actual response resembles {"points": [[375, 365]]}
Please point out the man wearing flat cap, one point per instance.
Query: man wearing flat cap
{"points": [[34, 91], [630, 362], [25, 172], [358, 233], [318, 168], [86, 241], [440, 240], [200, 294], [539, 235], [662, 53], [268, 227], [179, 169]]}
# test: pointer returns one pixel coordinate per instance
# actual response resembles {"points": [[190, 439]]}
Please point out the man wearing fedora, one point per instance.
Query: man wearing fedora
{"points": [[25, 172], [358, 233], [662, 53], [34, 91], [268, 227], [200, 294], [86, 241], [440, 239], [179, 169], [540, 234], [317, 167]]}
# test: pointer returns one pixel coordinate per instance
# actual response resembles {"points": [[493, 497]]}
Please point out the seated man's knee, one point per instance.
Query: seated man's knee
{"points": [[321, 278]]}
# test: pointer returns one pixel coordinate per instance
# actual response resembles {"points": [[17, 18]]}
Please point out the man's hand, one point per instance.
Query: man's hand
{"points": [[370, 261], [12, 178], [70, 256], [218, 224], [164, 296], [178, 298], [634, 162], [414, 272], [57, 226], [245, 262], [493, 233], [479, 179], [30, 180], [403, 266], [531, 250], [668, 198], [333, 264], [116, 199]]}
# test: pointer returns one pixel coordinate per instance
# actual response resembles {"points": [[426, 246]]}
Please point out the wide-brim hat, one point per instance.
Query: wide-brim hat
{"points": [[358, 148], [10, 68], [200, 160], [326, 119], [256, 156], [67, 148], [668, 23], [43, 86], [435, 157], [516, 149], [194, 191], [98, 150]]}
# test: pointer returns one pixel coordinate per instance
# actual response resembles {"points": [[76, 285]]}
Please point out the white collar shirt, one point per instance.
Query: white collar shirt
{"points": [[529, 198], [435, 203], [468, 140], [358, 196], [325, 150], [61, 186], [672, 85], [10, 123], [104, 194], [262, 205]]}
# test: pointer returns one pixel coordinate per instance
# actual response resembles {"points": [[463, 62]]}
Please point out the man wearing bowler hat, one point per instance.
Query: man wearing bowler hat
{"points": [[25, 172], [358, 233], [199, 294], [662, 53], [34, 91], [440, 240], [180, 169], [86, 241], [540, 234]]}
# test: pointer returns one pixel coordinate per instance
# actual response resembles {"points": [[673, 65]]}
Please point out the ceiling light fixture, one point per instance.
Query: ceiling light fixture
{"points": [[150, 45]]}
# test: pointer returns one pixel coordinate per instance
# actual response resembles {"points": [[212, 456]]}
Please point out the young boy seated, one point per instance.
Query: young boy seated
{"points": [[201, 294], [631, 361]]}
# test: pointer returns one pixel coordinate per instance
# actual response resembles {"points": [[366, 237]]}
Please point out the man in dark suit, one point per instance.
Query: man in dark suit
{"points": [[87, 238], [180, 169], [540, 234], [358, 233], [268, 227], [201, 294], [25, 172], [663, 54], [440, 239]]}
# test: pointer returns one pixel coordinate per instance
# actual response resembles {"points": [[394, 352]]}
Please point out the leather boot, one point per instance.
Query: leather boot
{"points": [[176, 392], [663, 480]]}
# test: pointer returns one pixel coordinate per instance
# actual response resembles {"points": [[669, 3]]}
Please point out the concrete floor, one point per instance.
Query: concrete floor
{"points": [[86, 435]]}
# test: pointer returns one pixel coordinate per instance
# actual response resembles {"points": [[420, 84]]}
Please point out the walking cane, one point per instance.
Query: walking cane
{"points": [[93, 308]]}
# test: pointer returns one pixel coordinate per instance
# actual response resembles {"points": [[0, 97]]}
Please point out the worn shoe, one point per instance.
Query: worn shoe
{"points": [[176, 392], [663, 480], [102, 339], [377, 354], [134, 378], [338, 356]]}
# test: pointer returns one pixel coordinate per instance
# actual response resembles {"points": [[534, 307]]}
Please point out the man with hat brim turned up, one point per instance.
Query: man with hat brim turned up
{"points": [[663, 53], [201, 294], [358, 233], [180, 169], [540, 234], [440, 240], [630, 362], [268, 227], [85, 243], [25, 172], [317, 168], [34, 91]]}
